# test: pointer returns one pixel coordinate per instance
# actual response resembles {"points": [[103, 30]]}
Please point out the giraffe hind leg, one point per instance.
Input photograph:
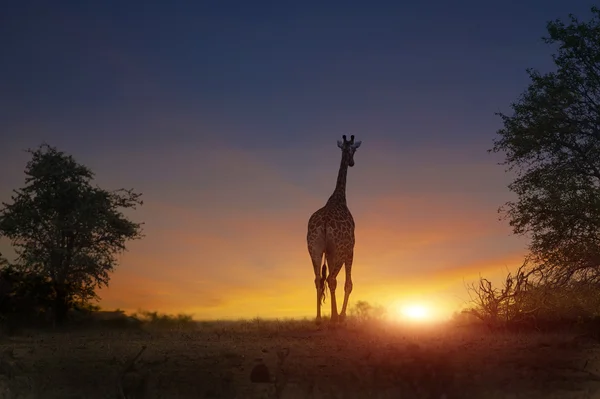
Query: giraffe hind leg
{"points": [[334, 269]]}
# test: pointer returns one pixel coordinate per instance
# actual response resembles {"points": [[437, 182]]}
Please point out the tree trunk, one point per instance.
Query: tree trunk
{"points": [[61, 305]]}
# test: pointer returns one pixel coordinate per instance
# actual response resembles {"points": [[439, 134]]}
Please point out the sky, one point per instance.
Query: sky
{"points": [[225, 115]]}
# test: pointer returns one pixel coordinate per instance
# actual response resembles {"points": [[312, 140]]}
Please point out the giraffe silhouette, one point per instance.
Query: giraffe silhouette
{"points": [[331, 233]]}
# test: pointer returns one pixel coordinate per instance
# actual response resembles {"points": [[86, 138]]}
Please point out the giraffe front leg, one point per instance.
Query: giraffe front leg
{"points": [[347, 286], [319, 299]]}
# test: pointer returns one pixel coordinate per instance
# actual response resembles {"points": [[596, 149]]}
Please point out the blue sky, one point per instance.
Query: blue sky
{"points": [[225, 115]]}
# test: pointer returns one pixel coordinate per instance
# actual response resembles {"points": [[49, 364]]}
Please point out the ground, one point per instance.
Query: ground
{"points": [[221, 360]]}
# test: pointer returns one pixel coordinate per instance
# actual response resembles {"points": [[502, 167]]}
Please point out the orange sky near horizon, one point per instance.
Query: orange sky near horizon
{"points": [[226, 229], [226, 120]]}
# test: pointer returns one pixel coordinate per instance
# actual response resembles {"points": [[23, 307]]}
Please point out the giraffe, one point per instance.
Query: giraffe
{"points": [[331, 233]]}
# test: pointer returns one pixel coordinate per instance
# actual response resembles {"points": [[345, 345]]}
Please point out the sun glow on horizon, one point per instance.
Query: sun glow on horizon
{"points": [[415, 312]]}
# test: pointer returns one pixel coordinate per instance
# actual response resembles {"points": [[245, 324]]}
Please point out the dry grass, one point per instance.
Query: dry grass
{"points": [[221, 360]]}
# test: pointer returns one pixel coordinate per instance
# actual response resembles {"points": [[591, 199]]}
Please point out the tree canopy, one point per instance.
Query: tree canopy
{"points": [[552, 142], [64, 228]]}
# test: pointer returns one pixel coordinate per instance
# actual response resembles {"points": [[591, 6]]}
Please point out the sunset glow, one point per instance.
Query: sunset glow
{"points": [[231, 168], [415, 312]]}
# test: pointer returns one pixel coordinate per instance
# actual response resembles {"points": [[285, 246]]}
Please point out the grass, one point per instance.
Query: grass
{"points": [[181, 358], [155, 319]]}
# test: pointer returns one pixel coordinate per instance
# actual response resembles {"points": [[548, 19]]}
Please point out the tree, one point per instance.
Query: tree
{"points": [[552, 142], [65, 229], [364, 311], [508, 304]]}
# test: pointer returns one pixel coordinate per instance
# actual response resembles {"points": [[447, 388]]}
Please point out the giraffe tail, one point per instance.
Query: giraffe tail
{"points": [[323, 279], [324, 268]]}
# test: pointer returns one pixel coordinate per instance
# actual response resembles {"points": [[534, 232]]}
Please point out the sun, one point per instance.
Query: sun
{"points": [[415, 312]]}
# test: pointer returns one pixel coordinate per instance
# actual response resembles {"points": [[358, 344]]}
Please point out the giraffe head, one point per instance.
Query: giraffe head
{"points": [[348, 148]]}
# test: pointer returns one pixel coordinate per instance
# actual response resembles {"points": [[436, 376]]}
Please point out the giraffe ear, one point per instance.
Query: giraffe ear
{"points": [[340, 144], [357, 144]]}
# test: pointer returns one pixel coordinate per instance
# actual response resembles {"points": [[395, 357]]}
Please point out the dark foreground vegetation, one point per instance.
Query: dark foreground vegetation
{"points": [[109, 356]]}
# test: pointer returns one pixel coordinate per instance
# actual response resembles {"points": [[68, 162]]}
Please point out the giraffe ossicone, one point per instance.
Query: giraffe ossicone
{"points": [[330, 237]]}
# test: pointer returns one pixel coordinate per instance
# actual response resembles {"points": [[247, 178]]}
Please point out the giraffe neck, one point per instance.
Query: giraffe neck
{"points": [[339, 194]]}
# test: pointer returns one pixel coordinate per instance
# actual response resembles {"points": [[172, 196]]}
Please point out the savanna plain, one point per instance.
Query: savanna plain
{"points": [[122, 357]]}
